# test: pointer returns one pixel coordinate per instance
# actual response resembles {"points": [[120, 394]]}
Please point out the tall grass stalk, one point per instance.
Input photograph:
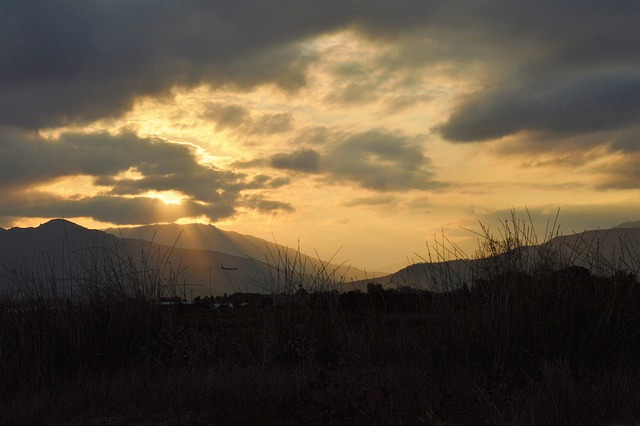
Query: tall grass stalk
{"points": [[532, 338]]}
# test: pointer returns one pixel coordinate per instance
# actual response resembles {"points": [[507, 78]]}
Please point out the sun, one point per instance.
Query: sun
{"points": [[167, 197]]}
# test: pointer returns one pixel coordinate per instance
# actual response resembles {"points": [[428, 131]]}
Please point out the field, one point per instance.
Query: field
{"points": [[525, 343]]}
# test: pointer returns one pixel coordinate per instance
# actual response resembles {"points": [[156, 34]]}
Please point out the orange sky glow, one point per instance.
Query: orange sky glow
{"points": [[364, 136]]}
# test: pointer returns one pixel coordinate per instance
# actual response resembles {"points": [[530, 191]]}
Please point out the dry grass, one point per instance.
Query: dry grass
{"points": [[531, 342]]}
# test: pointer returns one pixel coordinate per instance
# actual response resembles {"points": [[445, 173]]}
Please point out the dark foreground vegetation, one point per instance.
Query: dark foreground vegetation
{"points": [[557, 347]]}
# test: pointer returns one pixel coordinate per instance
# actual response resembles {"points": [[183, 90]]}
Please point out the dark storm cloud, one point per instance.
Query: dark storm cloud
{"points": [[29, 160], [560, 68], [78, 61], [66, 62], [73, 62], [574, 106], [302, 160], [564, 71], [110, 209], [118, 210]]}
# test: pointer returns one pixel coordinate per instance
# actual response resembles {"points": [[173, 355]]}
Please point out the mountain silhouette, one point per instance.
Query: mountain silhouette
{"points": [[63, 253], [603, 252], [201, 260], [209, 237]]}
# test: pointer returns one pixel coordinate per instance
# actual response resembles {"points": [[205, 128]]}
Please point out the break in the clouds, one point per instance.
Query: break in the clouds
{"points": [[108, 209], [127, 168], [76, 62], [378, 100], [161, 165]]}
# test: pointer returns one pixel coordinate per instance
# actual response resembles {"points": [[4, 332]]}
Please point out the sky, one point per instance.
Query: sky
{"points": [[366, 128]]}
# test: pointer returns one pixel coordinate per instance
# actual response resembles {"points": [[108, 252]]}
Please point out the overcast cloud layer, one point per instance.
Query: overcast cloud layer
{"points": [[66, 62], [544, 76]]}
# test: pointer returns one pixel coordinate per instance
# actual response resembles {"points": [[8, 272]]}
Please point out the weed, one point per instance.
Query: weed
{"points": [[538, 334]]}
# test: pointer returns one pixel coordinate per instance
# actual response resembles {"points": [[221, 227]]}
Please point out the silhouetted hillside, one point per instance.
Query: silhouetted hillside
{"points": [[603, 252], [628, 225], [62, 254], [209, 237]]}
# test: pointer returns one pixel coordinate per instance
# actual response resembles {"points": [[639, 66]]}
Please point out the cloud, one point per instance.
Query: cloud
{"points": [[380, 200], [238, 118], [110, 209], [74, 63], [163, 165], [545, 75], [358, 93], [227, 116], [279, 182], [263, 205], [378, 160], [549, 68], [620, 173], [65, 63], [124, 168], [302, 160], [575, 105], [264, 181], [317, 135], [270, 124]]}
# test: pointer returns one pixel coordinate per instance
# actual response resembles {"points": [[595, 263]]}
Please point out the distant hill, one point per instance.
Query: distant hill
{"points": [[601, 251], [208, 237], [64, 255], [52, 235], [628, 225]]}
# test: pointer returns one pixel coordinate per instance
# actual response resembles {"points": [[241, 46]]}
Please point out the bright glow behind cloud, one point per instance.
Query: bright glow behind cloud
{"points": [[370, 129]]}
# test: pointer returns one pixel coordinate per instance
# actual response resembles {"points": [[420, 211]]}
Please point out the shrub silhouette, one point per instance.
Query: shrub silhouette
{"points": [[530, 340]]}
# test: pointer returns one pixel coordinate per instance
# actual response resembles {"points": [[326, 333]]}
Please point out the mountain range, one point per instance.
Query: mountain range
{"points": [[208, 237], [602, 252], [201, 260]]}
